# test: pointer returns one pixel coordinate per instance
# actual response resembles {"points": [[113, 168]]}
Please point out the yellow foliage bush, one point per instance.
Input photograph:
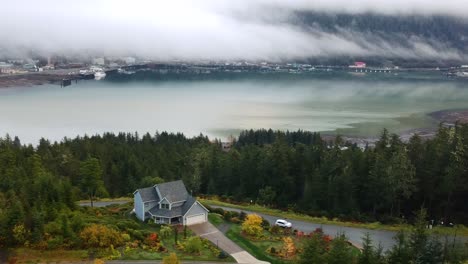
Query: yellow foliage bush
{"points": [[289, 249], [100, 236], [171, 259], [99, 261], [252, 225]]}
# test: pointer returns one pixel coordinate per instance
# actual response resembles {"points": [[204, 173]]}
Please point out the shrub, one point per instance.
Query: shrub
{"points": [[55, 242], [152, 240], [165, 231], [125, 225], [137, 234], [100, 236], [235, 220], [223, 255], [252, 225], [21, 234], [53, 228], [234, 214], [275, 230], [126, 237], [99, 261], [227, 216], [272, 250], [171, 259], [242, 215], [193, 245], [289, 248], [219, 211], [265, 224]]}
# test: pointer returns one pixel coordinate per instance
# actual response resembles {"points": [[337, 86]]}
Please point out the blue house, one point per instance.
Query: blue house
{"points": [[168, 203]]}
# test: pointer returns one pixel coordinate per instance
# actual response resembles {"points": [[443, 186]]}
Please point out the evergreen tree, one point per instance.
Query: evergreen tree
{"points": [[91, 179], [314, 251]]}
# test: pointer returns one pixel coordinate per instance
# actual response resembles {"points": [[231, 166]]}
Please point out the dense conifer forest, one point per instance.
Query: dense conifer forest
{"points": [[287, 170]]}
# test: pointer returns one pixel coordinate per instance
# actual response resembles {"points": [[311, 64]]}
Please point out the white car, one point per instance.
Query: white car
{"points": [[283, 223]]}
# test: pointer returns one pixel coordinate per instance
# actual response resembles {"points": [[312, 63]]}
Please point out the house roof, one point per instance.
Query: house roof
{"points": [[148, 194], [173, 191], [175, 211]]}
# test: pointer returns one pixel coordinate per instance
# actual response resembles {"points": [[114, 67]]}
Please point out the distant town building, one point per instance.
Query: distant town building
{"points": [[30, 67], [129, 60], [99, 61], [226, 146], [358, 64], [464, 67], [5, 68], [49, 67]]}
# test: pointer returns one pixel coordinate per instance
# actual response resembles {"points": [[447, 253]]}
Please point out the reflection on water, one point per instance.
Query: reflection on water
{"points": [[219, 108]]}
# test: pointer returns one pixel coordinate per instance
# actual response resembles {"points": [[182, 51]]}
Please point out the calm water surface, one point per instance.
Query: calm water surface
{"points": [[218, 108]]}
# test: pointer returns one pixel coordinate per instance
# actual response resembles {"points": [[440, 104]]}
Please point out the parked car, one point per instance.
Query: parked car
{"points": [[283, 223]]}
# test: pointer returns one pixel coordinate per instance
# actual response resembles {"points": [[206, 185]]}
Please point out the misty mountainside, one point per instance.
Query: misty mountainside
{"points": [[402, 39]]}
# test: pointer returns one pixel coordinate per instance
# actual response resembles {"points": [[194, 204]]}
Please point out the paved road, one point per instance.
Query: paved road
{"points": [[385, 238], [102, 204], [210, 232]]}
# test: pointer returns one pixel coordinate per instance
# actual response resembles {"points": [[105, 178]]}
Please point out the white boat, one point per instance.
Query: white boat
{"points": [[99, 75], [462, 74]]}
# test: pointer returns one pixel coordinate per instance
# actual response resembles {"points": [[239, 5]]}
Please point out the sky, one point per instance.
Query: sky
{"points": [[209, 29]]}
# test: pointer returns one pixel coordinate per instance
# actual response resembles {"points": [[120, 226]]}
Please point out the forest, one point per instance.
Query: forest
{"points": [[440, 32], [297, 170]]}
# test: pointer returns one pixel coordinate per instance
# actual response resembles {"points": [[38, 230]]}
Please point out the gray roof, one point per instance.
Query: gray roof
{"points": [[186, 206], [148, 194], [176, 211], [173, 191]]}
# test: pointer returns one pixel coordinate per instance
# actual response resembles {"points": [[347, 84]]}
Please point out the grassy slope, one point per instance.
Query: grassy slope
{"points": [[459, 230]]}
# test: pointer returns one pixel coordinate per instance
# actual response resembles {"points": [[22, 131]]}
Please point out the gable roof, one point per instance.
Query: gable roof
{"points": [[173, 191], [148, 194], [175, 211], [160, 212], [188, 204]]}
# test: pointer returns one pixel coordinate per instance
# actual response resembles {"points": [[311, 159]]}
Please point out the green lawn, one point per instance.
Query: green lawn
{"points": [[215, 219], [459, 230]]}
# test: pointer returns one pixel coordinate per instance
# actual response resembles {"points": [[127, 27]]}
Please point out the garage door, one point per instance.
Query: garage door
{"points": [[195, 219]]}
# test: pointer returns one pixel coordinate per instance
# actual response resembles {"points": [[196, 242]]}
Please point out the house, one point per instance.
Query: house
{"points": [[99, 61], [358, 64], [169, 203]]}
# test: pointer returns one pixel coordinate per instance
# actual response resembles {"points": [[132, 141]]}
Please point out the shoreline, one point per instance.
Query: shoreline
{"points": [[446, 117], [31, 79]]}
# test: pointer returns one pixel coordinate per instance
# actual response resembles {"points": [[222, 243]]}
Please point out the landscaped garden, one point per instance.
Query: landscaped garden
{"points": [[113, 233], [272, 243]]}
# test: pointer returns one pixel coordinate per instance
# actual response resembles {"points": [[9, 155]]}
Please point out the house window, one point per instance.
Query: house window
{"points": [[165, 206]]}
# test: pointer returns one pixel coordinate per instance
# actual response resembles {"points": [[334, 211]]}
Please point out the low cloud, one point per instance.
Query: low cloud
{"points": [[209, 29]]}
